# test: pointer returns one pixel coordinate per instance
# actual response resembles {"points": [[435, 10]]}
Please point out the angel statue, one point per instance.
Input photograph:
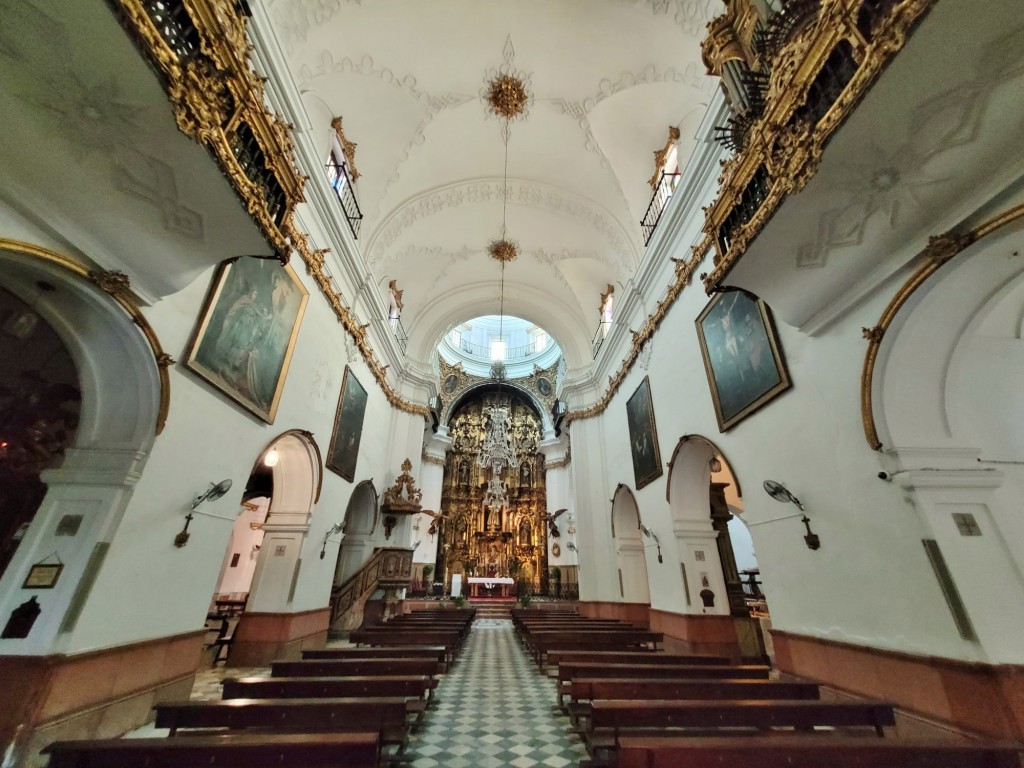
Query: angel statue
{"points": [[550, 518], [434, 518]]}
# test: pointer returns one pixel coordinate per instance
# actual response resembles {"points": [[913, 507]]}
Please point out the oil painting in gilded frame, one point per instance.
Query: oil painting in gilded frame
{"points": [[742, 356], [246, 333], [348, 427], [643, 435]]}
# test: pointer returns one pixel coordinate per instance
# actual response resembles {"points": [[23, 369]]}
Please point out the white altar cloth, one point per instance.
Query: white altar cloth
{"points": [[490, 581]]}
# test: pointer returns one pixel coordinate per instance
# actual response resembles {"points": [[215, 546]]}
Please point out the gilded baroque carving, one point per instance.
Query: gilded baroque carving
{"points": [[661, 156], [791, 152], [110, 281], [348, 146]]}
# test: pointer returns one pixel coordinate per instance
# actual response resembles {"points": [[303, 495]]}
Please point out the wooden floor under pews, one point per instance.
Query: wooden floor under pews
{"points": [[633, 705]]}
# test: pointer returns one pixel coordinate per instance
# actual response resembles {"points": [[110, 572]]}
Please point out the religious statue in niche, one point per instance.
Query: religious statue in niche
{"points": [[525, 533]]}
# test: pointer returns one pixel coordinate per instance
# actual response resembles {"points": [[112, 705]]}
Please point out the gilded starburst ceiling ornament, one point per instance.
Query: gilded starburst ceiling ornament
{"points": [[503, 250], [506, 92]]}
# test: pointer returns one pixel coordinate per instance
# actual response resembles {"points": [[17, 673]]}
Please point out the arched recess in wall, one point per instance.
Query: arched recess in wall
{"points": [[634, 586], [478, 389], [359, 523], [124, 395], [296, 476], [922, 387], [703, 494]]}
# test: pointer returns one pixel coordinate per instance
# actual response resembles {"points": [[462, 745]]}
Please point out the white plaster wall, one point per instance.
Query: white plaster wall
{"points": [[244, 541], [870, 582]]}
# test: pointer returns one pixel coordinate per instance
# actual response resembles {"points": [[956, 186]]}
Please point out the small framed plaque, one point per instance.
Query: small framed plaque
{"points": [[43, 576]]}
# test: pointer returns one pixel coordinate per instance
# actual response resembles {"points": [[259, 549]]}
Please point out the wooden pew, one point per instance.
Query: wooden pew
{"points": [[568, 671], [436, 652], [388, 717], [315, 750], [413, 686], [612, 718], [543, 642], [383, 637], [355, 668], [582, 691], [646, 656], [812, 752]]}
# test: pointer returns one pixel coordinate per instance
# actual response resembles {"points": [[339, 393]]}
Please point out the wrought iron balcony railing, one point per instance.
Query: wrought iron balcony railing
{"points": [[659, 201], [603, 327], [337, 174]]}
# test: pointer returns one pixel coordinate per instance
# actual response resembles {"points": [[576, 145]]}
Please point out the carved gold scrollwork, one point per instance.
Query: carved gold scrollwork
{"points": [[349, 147], [112, 282]]}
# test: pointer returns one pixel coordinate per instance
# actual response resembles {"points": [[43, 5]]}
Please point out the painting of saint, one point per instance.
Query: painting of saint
{"points": [[741, 355], [643, 435], [245, 336], [348, 427]]}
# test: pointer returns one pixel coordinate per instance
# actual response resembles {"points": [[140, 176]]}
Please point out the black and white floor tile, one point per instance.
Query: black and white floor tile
{"points": [[494, 708]]}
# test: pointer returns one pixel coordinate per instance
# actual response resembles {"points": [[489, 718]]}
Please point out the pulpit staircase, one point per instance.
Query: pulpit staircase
{"points": [[389, 569]]}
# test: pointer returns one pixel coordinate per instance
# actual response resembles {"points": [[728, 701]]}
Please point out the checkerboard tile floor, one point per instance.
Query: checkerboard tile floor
{"points": [[494, 709]]}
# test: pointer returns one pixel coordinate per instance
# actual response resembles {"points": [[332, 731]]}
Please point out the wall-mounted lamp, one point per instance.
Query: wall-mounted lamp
{"points": [[652, 535], [779, 492], [336, 528], [271, 458], [715, 465], [214, 492]]}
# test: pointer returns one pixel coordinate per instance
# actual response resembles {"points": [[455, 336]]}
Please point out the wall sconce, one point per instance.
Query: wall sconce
{"points": [[336, 528], [212, 493], [779, 492], [652, 535], [271, 457]]}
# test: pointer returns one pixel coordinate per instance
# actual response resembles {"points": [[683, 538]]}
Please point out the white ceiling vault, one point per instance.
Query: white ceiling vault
{"points": [[607, 79]]}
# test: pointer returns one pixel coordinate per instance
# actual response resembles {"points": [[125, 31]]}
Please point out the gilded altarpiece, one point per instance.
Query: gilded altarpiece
{"points": [[486, 539]]}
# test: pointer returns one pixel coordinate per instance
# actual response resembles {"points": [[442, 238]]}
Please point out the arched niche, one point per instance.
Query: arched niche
{"points": [[296, 477], [702, 493], [123, 381], [634, 586], [358, 526], [478, 389]]}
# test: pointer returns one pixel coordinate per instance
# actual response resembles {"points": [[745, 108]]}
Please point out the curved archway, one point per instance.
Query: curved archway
{"points": [[358, 526], [634, 586], [477, 390], [122, 402], [293, 459], [703, 494]]}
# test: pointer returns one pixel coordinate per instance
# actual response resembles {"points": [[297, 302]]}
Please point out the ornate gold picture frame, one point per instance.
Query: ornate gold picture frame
{"points": [[348, 427], [246, 333], [742, 356], [643, 435]]}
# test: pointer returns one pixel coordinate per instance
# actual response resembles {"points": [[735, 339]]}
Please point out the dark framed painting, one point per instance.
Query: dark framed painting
{"points": [[348, 427], [742, 356], [643, 435], [247, 330]]}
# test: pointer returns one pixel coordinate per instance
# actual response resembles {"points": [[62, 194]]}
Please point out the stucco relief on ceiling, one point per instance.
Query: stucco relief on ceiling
{"points": [[519, 192]]}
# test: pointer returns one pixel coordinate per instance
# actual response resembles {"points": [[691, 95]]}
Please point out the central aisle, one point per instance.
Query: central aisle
{"points": [[495, 709]]}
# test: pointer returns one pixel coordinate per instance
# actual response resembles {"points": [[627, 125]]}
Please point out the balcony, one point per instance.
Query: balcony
{"points": [[199, 50], [817, 59], [663, 190], [341, 183]]}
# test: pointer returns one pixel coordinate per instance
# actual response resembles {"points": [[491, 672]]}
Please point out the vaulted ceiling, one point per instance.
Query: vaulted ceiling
{"points": [[607, 78]]}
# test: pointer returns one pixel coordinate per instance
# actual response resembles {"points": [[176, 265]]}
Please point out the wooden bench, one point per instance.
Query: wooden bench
{"points": [[411, 686], [541, 643], [356, 668], [584, 690], [612, 718], [812, 752], [385, 637], [386, 716], [436, 652], [568, 671], [317, 750], [643, 656]]}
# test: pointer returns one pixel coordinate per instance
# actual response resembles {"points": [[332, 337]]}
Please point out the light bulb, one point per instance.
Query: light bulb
{"points": [[271, 459]]}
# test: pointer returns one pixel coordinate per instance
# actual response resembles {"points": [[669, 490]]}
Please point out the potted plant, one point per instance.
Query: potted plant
{"points": [[428, 570], [459, 600], [555, 577]]}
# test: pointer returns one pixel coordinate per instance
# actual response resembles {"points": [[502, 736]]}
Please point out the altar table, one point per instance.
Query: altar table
{"points": [[489, 583]]}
